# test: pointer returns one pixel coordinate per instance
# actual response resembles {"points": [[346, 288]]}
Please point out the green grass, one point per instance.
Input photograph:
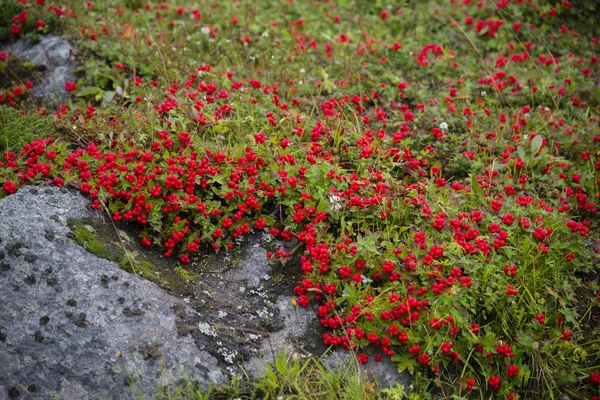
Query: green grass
{"points": [[293, 377]]}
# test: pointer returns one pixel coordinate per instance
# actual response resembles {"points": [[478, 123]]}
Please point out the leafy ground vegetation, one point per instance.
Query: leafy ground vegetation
{"points": [[438, 162]]}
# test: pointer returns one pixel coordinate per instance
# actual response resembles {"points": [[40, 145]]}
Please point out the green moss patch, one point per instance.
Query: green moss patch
{"points": [[101, 239], [142, 268], [185, 274], [85, 236], [17, 130]]}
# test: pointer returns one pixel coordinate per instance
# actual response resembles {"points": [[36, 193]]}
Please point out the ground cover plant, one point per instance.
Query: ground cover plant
{"points": [[438, 162]]}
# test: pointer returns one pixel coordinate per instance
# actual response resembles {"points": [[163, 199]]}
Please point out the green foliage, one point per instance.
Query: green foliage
{"points": [[293, 376], [8, 9], [17, 130], [437, 165]]}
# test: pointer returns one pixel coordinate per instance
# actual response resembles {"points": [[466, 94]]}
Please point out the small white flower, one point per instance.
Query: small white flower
{"points": [[334, 202], [205, 30], [483, 93], [302, 70], [265, 34], [443, 126]]}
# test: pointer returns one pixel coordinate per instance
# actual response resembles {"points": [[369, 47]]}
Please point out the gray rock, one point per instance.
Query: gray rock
{"points": [[57, 55], [298, 325], [75, 392], [252, 268], [68, 334]]}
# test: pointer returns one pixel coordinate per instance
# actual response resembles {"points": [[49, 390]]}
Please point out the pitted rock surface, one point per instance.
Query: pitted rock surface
{"points": [[75, 326], [64, 333], [57, 56]]}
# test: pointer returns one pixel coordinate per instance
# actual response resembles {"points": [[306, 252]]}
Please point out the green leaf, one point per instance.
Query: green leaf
{"points": [[322, 206], [405, 362], [488, 342], [109, 95], [477, 187], [403, 229], [90, 91], [106, 76], [536, 144]]}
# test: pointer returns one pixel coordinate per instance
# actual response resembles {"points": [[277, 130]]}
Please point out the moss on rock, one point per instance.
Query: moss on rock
{"points": [[185, 274], [103, 245], [85, 236], [144, 269]]}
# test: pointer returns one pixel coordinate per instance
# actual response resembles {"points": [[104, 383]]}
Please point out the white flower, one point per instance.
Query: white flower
{"points": [[205, 30], [443, 126], [334, 202]]}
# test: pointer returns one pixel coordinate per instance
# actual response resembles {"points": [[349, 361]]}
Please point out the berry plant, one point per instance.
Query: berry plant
{"points": [[438, 163]]}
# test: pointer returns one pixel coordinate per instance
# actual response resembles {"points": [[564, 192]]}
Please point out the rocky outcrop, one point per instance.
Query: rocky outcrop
{"points": [[57, 56], [77, 326]]}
